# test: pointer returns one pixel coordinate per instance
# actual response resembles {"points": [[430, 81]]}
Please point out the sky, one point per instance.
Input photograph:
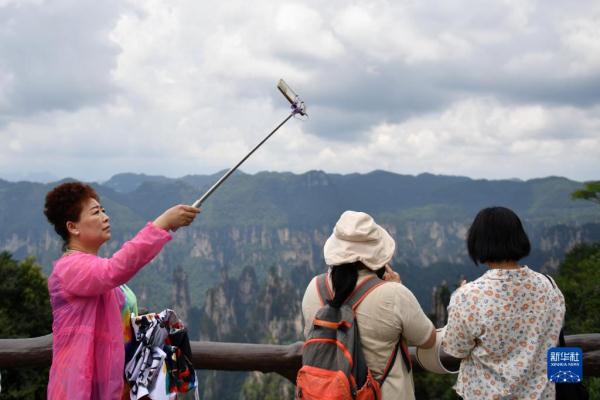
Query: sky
{"points": [[495, 89]]}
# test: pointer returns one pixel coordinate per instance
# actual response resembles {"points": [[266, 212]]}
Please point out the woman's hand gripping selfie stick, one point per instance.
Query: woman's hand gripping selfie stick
{"points": [[298, 107]]}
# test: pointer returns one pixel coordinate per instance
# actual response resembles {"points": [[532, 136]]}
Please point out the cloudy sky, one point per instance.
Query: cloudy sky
{"points": [[495, 89]]}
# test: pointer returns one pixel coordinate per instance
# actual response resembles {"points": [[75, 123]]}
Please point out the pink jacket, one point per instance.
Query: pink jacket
{"points": [[88, 352]]}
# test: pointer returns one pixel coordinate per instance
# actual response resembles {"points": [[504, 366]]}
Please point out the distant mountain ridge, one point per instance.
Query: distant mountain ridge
{"points": [[128, 182], [313, 199], [283, 219], [377, 191], [239, 272]]}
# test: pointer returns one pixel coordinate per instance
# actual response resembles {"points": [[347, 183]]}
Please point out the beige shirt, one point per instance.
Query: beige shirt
{"points": [[502, 326], [389, 311]]}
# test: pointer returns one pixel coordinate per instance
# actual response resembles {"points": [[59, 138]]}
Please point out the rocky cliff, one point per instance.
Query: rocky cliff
{"points": [[238, 273]]}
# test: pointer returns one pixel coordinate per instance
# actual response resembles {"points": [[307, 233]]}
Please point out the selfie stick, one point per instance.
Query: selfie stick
{"points": [[298, 107]]}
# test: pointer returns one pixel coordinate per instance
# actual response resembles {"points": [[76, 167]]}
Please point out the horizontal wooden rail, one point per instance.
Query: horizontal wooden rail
{"points": [[282, 359]]}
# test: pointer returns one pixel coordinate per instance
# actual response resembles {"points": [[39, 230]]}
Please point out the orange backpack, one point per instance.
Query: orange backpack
{"points": [[333, 363]]}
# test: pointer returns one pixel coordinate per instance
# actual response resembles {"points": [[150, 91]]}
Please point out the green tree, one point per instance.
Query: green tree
{"points": [[429, 385], [590, 191], [579, 280], [24, 312], [267, 387]]}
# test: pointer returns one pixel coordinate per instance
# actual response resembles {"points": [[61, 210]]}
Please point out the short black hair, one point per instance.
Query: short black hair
{"points": [[64, 203], [497, 235]]}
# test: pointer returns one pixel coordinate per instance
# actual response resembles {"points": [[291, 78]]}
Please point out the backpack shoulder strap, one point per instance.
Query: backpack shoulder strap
{"points": [[362, 290], [551, 280], [323, 288], [392, 360]]}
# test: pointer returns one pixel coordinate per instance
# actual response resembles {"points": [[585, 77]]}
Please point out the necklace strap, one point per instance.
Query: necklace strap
{"points": [[69, 251]]}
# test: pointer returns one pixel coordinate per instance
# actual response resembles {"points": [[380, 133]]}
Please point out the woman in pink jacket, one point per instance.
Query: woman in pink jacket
{"points": [[88, 351]]}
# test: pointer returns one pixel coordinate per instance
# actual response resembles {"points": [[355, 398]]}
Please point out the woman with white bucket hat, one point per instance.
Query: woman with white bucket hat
{"points": [[359, 249]]}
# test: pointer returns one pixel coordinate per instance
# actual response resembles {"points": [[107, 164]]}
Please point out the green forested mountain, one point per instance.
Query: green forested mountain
{"points": [[239, 272], [263, 212], [24, 312], [282, 219]]}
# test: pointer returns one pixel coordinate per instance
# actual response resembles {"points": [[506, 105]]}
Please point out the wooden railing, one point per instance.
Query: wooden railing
{"points": [[282, 359]]}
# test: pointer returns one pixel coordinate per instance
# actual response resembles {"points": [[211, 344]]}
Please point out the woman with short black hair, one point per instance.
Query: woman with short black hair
{"points": [[497, 235], [502, 324]]}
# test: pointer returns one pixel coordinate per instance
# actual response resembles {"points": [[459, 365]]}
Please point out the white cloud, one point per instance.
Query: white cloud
{"points": [[55, 56], [480, 138], [385, 32], [581, 38], [501, 89]]}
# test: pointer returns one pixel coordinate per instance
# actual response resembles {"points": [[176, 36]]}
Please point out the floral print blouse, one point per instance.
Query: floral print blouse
{"points": [[502, 326]]}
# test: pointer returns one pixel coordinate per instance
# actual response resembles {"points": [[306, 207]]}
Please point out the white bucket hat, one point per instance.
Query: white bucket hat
{"points": [[430, 359], [356, 237]]}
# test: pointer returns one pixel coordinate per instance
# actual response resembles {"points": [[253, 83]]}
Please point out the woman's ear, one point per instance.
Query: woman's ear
{"points": [[72, 228]]}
